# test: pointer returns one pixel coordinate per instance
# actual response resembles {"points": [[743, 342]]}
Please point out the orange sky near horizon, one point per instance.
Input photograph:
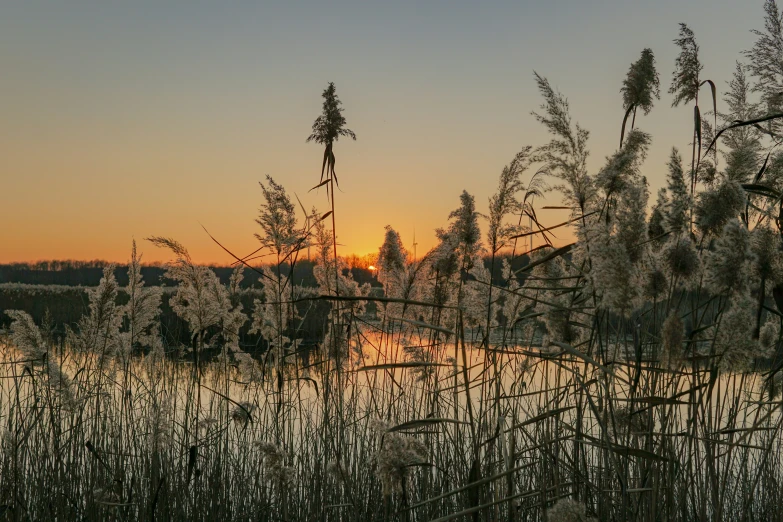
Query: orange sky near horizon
{"points": [[132, 120]]}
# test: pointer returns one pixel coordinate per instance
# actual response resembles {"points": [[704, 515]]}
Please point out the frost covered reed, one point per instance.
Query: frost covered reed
{"points": [[633, 374]]}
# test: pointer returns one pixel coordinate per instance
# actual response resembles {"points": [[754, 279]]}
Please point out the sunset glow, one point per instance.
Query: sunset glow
{"points": [[104, 140]]}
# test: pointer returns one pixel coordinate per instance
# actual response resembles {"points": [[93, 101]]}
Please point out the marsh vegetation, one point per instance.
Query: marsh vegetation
{"points": [[633, 374]]}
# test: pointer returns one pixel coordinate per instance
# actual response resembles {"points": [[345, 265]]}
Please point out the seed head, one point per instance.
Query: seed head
{"points": [[672, 336], [568, 510], [681, 259]]}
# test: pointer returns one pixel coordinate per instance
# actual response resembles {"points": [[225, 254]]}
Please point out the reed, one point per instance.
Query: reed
{"points": [[633, 375]]}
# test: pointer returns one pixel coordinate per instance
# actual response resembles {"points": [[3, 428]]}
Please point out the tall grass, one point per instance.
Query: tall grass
{"points": [[630, 375]]}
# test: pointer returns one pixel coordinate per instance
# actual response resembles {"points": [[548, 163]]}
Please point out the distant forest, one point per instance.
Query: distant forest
{"points": [[53, 292], [89, 273]]}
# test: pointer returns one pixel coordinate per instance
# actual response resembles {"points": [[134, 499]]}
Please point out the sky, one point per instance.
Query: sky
{"points": [[124, 120]]}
